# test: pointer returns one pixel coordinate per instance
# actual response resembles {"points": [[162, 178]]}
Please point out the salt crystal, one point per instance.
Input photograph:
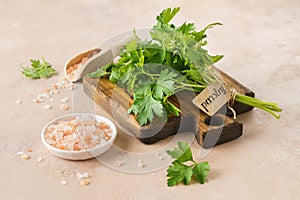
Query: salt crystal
{"points": [[51, 92], [63, 100], [161, 158], [56, 92], [63, 182], [40, 159], [64, 107], [37, 100], [20, 153], [69, 88], [18, 101], [140, 164], [44, 95], [25, 156], [51, 99], [102, 141], [83, 175], [119, 163], [84, 182], [63, 82], [46, 107]]}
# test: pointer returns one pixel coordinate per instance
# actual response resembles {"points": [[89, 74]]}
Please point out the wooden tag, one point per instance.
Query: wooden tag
{"points": [[212, 98]]}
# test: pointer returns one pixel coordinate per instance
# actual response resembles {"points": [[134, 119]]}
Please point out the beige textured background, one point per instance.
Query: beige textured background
{"points": [[260, 41]]}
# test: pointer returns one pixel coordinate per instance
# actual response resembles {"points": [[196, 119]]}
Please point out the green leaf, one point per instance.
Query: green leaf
{"points": [[105, 70], [167, 15], [171, 108], [179, 172], [200, 171], [35, 63], [186, 28], [46, 72], [164, 85], [30, 72], [182, 153], [38, 70], [146, 108]]}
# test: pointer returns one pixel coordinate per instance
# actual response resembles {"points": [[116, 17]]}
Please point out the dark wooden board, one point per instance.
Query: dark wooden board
{"points": [[209, 131]]}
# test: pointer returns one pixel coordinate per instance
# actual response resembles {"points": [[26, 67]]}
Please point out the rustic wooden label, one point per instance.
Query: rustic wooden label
{"points": [[212, 98]]}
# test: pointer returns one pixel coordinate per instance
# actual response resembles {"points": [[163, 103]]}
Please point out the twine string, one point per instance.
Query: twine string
{"points": [[233, 94]]}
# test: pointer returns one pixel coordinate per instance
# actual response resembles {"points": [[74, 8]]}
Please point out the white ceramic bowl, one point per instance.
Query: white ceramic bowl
{"points": [[84, 154]]}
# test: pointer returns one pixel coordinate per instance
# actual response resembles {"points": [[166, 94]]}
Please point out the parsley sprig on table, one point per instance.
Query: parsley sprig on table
{"points": [[38, 69], [180, 172], [173, 60]]}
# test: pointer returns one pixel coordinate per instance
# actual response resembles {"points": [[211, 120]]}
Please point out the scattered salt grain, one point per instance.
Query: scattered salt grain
{"points": [[25, 156], [46, 107], [69, 88], [83, 175], [20, 153], [51, 92], [51, 99], [40, 159], [84, 182], [140, 164], [37, 100], [18, 101], [55, 87], [161, 158], [119, 163], [64, 100], [63, 182], [64, 107], [47, 90]]}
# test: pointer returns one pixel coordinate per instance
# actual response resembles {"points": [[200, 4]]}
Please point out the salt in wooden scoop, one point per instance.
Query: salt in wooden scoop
{"points": [[80, 65]]}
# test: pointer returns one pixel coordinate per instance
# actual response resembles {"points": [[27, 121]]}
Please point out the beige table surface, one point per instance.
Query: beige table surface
{"points": [[260, 41]]}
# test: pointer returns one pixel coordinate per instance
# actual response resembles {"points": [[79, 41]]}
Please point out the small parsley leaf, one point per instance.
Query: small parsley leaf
{"points": [[38, 69], [179, 172], [167, 15], [200, 171], [145, 108], [182, 153]]}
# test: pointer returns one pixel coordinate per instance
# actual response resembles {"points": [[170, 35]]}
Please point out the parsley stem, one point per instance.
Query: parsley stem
{"points": [[270, 107]]}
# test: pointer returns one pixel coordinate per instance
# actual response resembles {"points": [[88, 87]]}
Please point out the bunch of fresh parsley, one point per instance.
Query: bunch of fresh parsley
{"points": [[173, 60], [180, 172], [38, 69], [155, 70]]}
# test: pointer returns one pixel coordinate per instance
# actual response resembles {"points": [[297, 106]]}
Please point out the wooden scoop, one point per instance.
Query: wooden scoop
{"points": [[80, 65]]}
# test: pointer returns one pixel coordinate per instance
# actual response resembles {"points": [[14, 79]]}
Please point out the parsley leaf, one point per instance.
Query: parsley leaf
{"points": [[165, 84], [145, 108], [38, 69], [167, 15], [179, 172], [201, 171], [182, 153]]}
